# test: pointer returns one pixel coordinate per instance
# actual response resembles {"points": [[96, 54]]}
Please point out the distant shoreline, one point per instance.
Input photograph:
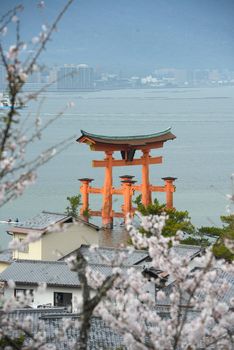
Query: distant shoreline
{"points": [[133, 88]]}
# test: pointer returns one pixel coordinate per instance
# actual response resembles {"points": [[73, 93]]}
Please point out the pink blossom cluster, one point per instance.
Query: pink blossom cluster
{"points": [[188, 313]]}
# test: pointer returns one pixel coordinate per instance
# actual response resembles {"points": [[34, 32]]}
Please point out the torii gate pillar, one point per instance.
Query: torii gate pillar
{"points": [[107, 218], [146, 194]]}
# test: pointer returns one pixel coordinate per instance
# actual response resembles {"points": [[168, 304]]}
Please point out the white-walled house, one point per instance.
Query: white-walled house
{"points": [[63, 286], [59, 236]]}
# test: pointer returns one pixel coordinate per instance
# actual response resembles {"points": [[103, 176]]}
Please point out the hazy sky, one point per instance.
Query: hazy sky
{"points": [[136, 35]]}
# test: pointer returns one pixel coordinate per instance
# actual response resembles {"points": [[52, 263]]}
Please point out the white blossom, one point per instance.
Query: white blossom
{"points": [[11, 284], [35, 40], [4, 31], [44, 27], [15, 19], [12, 52], [41, 4], [23, 76]]}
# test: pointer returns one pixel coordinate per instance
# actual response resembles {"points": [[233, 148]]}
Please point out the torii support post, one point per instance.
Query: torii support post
{"points": [[127, 194], [146, 193], [107, 219], [169, 189], [84, 189]]}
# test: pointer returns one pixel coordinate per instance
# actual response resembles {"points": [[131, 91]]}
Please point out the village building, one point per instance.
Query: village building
{"points": [[57, 236], [101, 336], [63, 286], [222, 277], [5, 259]]}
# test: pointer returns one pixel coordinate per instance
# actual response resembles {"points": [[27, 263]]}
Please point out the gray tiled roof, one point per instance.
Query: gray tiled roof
{"points": [[184, 250], [106, 270], [54, 273], [222, 276], [42, 221], [36, 271], [101, 337], [103, 254]]}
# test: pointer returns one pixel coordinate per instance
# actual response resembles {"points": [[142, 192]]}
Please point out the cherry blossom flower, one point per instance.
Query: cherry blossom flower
{"points": [[12, 52], [4, 31]]}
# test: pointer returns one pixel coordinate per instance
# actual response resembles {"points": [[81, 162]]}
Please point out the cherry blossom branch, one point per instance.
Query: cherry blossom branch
{"points": [[47, 37], [7, 17], [15, 188], [88, 303], [198, 281], [14, 138]]}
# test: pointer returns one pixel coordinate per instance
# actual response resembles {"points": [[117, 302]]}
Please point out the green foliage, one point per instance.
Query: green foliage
{"points": [[137, 200], [198, 238], [222, 252], [12, 343], [152, 209], [229, 220], [195, 240], [86, 214], [226, 232], [177, 220], [73, 208], [210, 231]]}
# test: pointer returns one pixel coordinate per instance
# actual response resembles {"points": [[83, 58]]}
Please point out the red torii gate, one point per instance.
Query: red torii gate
{"points": [[127, 145]]}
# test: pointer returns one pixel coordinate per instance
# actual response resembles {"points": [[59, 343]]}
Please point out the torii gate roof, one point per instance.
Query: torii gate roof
{"points": [[119, 143]]}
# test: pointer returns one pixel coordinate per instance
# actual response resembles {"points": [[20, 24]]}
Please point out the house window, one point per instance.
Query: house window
{"points": [[18, 292], [62, 299]]}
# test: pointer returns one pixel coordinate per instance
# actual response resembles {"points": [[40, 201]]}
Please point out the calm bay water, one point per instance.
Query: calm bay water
{"points": [[202, 156]]}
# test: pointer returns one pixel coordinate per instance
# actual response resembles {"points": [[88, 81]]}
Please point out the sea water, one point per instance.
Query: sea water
{"points": [[201, 157]]}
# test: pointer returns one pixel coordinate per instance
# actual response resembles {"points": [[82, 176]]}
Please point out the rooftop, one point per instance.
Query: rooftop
{"points": [[225, 296], [102, 255], [185, 250], [35, 271], [52, 320], [40, 222], [53, 273], [120, 142]]}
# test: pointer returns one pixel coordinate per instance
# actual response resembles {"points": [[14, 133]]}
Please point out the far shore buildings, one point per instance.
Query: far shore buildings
{"points": [[75, 77]]}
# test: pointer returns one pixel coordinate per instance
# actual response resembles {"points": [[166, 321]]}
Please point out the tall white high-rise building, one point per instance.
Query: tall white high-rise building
{"points": [[72, 77], [67, 77], [85, 77]]}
